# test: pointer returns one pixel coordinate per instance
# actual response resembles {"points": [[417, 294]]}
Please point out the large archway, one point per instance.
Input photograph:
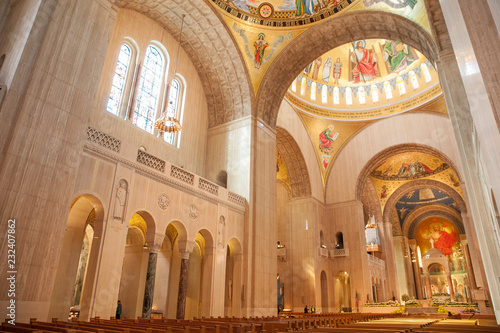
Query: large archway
{"points": [[79, 255], [334, 32], [233, 279]]}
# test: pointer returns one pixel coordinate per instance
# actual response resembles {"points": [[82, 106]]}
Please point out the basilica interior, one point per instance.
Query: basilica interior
{"points": [[246, 157]]}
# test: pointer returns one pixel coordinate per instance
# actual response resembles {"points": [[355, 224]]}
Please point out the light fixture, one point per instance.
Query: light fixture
{"points": [[168, 123]]}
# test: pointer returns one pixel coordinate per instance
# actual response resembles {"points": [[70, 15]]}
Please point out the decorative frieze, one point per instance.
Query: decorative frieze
{"points": [[208, 186], [182, 175], [150, 161], [104, 140]]}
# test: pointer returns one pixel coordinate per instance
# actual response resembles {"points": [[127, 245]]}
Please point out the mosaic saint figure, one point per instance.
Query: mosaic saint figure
{"points": [[398, 55], [317, 65], [337, 71], [326, 138], [260, 45], [303, 7], [365, 64], [326, 69]]}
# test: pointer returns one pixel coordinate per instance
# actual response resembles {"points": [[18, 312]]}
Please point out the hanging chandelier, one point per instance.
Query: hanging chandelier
{"points": [[166, 123]]}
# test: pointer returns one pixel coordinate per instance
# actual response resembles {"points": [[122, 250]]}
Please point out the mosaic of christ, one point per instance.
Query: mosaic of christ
{"points": [[438, 233]]}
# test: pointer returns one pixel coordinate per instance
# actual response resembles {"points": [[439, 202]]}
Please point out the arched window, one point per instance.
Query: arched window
{"points": [[339, 240], [321, 239], [324, 94], [374, 91], [313, 91], [414, 80], [174, 107], [401, 86], [361, 95], [387, 90], [348, 96], [336, 95], [427, 75], [294, 85], [148, 91], [122, 70], [303, 85]]}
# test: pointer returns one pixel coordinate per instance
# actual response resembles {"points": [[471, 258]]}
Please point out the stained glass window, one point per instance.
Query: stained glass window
{"points": [[374, 92], [401, 86], [336, 95], [427, 75], [348, 96], [361, 95], [387, 90], [324, 94], [148, 90], [414, 80], [303, 84], [172, 107], [294, 85], [116, 95], [313, 91]]}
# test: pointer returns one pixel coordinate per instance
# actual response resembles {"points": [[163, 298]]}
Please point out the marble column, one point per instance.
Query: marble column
{"points": [[416, 271], [390, 260], [183, 281], [147, 304], [428, 286], [450, 283]]}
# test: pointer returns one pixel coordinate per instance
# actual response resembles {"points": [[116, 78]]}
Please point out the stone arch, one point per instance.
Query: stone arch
{"points": [[326, 36], [418, 184], [421, 213], [86, 209], [233, 278], [151, 225], [394, 150], [227, 87], [180, 229], [296, 165]]}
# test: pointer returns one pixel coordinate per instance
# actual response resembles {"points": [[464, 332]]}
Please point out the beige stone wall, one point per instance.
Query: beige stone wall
{"points": [[288, 119], [192, 142], [99, 176], [45, 114]]}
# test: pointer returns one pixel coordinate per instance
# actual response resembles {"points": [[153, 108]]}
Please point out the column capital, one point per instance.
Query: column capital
{"points": [[155, 243], [185, 248]]}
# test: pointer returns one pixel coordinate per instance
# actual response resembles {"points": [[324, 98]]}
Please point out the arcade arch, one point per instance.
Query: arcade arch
{"points": [[76, 271]]}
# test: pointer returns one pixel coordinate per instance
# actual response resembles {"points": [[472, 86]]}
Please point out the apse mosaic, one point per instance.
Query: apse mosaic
{"points": [[402, 168], [282, 171], [439, 233], [415, 198], [365, 79]]}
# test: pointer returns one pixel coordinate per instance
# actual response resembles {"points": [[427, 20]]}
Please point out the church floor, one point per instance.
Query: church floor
{"points": [[419, 324]]}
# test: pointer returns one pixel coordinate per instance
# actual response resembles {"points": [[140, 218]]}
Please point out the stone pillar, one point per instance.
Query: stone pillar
{"points": [[147, 304], [470, 271], [428, 286], [45, 114], [185, 248], [471, 99], [450, 283], [416, 269], [388, 245]]}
